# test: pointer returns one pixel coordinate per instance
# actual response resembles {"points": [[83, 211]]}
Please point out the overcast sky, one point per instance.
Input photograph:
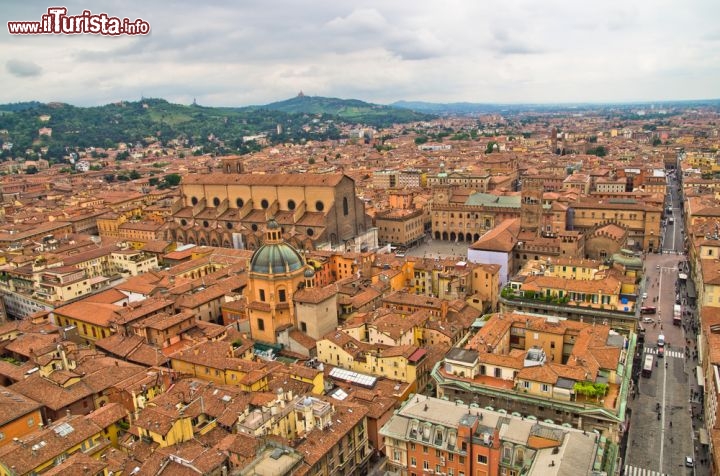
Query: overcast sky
{"points": [[234, 53]]}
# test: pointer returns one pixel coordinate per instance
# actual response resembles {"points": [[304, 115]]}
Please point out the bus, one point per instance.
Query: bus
{"points": [[648, 365], [677, 314]]}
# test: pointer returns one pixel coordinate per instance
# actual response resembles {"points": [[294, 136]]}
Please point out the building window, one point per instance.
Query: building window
{"points": [[303, 326], [229, 225], [319, 206], [291, 204], [346, 209], [254, 227], [216, 202], [310, 232], [239, 202], [526, 384], [194, 201], [426, 465], [413, 462], [545, 387], [260, 325], [262, 295], [281, 295], [482, 459]]}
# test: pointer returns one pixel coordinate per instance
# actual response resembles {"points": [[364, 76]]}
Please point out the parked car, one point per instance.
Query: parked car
{"points": [[689, 462]]}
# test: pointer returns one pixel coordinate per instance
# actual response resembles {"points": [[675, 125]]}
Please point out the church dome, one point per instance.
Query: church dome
{"points": [[309, 273], [275, 256]]}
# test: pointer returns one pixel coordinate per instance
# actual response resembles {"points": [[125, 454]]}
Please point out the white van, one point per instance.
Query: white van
{"points": [[661, 340]]}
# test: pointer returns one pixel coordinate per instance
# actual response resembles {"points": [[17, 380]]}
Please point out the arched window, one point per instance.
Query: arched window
{"points": [[291, 204], [239, 202], [319, 206], [345, 206], [264, 203], [216, 201], [194, 201]]}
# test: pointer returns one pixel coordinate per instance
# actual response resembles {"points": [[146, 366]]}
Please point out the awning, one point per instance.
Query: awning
{"points": [[700, 376], [703, 436]]}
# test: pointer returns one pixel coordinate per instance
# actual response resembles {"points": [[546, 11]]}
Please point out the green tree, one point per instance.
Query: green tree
{"points": [[490, 147], [109, 178], [154, 181], [172, 180], [600, 151], [134, 175], [31, 170]]}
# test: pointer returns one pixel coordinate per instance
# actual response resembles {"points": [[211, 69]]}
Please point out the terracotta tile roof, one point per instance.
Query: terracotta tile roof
{"points": [[315, 295], [108, 296], [14, 405], [608, 286], [78, 464], [31, 453], [27, 345], [540, 373], [100, 374], [280, 180], [90, 312], [318, 442], [710, 271], [303, 339], [501, 238], [108, 414], [400, 351]]}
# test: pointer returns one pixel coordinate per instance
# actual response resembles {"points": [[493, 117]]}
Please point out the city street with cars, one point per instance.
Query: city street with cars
{"points": [[666, 402]]}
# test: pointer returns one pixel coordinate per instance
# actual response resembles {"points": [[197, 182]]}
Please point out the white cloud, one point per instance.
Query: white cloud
{"points": [[253, 52]]}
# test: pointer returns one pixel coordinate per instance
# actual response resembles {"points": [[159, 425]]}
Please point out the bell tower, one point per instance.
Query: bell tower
{"points": [[531, 207], [233, 165]]}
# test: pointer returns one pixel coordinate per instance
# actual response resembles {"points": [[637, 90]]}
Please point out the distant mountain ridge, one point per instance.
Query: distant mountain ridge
{"points": [[350, 110]]}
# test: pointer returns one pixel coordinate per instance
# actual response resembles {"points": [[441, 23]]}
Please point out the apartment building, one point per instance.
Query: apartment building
{"points": [[400, 227], [437, 436], [542, 367]]}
